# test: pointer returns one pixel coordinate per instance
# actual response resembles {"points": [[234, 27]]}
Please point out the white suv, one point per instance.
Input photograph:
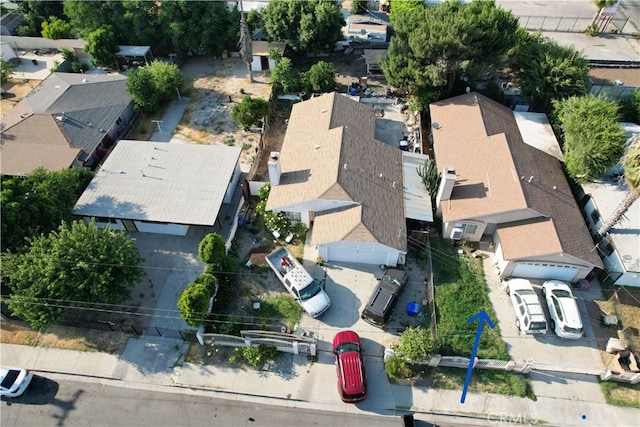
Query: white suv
{"points": [[530, 317], [563, 310]]}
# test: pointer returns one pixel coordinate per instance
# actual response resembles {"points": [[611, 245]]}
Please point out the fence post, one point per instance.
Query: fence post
{"points": [[313, 350], [294, 346]]}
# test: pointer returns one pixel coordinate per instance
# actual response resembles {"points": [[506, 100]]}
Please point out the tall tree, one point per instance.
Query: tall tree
{"points": [[102, 46], [593, 140], [38, 203], [359, 6], [5, 71], [309, 26], [546, 71], [432, 44], [631, 164], [55, 28], [430, 176], [246, 51], [199, 26], [154, 84], [193, 303], [630, 107], [74, 266], [321, 77], [87, 17], [36, 12]]}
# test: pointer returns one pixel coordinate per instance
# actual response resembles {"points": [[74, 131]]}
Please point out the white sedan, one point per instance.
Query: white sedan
{"points": [[14, 381], [563, 310]]}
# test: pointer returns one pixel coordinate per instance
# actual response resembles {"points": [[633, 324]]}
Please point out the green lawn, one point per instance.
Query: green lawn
{"points": [[460, 293], [482, 381]]}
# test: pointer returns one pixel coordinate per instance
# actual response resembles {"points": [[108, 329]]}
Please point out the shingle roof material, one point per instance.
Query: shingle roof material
{"points": [[330, 152], [498, 172]]}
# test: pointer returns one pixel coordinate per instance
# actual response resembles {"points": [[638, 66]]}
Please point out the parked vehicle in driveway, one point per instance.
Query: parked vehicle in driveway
{"points": [[565, 317], [352, 378], [14, 381], [530, 318], [304, 288], [380, 306]]}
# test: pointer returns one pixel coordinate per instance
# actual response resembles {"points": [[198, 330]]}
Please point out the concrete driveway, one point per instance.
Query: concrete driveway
{"points": [[349, 286]]}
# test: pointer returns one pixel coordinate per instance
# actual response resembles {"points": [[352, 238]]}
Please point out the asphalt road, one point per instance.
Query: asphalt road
{"points": [[49, 403]]}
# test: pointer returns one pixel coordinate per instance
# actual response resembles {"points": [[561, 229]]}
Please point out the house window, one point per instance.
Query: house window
{"points": [[293, 216], [105, 220], [470, 228]]}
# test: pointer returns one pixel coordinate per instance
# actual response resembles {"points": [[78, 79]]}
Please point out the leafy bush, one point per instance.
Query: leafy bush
{"points": [[211, 249], [193, 304], [256, 356], [397, 368], [208, 280], [250, 111], [321, 77], [416, 344]]}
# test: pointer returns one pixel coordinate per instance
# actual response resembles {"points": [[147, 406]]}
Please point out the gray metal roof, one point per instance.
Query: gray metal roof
{"points": [[162, 182]]}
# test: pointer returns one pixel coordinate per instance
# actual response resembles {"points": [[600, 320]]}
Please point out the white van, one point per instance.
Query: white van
{"points": [[530, 318]]}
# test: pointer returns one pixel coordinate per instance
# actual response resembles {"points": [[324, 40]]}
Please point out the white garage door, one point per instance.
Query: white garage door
{"points": [[538, 270], [357, 255]]}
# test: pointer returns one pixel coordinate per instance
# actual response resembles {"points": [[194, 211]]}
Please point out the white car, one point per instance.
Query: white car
{"points": [[530, 318], [14, 381], [563, 310]]}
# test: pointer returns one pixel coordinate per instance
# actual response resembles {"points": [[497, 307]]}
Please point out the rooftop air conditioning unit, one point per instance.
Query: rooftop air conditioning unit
{"points": [[456, 233]]}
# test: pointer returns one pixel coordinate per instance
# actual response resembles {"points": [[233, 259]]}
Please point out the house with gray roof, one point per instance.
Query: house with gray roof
{"points": [[620, 247], [68, 120], [161, 188], [333, 175], [503, 183]]}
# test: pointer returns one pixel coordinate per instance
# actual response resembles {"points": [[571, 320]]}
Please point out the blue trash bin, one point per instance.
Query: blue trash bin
{"points": [[413, 309]]}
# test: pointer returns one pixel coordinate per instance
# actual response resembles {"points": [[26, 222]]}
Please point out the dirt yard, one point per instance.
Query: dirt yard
{"points": [[16, 90]]}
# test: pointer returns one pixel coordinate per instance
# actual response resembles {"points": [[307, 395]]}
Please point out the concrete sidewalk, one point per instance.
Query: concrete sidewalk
{"points": [[296, 382]]}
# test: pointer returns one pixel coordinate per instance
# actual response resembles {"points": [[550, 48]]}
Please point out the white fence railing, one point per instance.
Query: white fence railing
{"points": [[526, 367], [282, 341]]}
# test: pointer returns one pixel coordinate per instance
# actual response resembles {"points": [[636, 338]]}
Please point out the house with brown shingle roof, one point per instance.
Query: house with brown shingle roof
{"points": [[333, 175], [68, 120], [507, 186]]}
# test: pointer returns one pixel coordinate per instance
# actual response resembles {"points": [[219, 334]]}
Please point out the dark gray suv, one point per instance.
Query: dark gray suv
{"points": [[380, 306]]}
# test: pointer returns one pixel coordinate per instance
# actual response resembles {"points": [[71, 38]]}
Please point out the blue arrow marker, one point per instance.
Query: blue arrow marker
{"points": [[482, 316]]}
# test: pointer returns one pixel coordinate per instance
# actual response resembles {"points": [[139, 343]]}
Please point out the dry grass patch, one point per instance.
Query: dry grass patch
{"points": [[63, 337]]}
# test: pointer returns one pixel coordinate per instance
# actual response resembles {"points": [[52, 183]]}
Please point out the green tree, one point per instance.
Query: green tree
{"points": [[75, 266], [5, 71], [430, 176], [359, 6], [432, 44], [199, 26], [630, 107], [309, 26], [631, 164], [250, 111], [36, 12], [55, 28], [102, 45], [321, 77], [593, 140], [246, 51], [212, 249], [547, 71], [38, 203], [88, 17], [282, 77], [416, 344], [154, 84], [193, 303]]}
